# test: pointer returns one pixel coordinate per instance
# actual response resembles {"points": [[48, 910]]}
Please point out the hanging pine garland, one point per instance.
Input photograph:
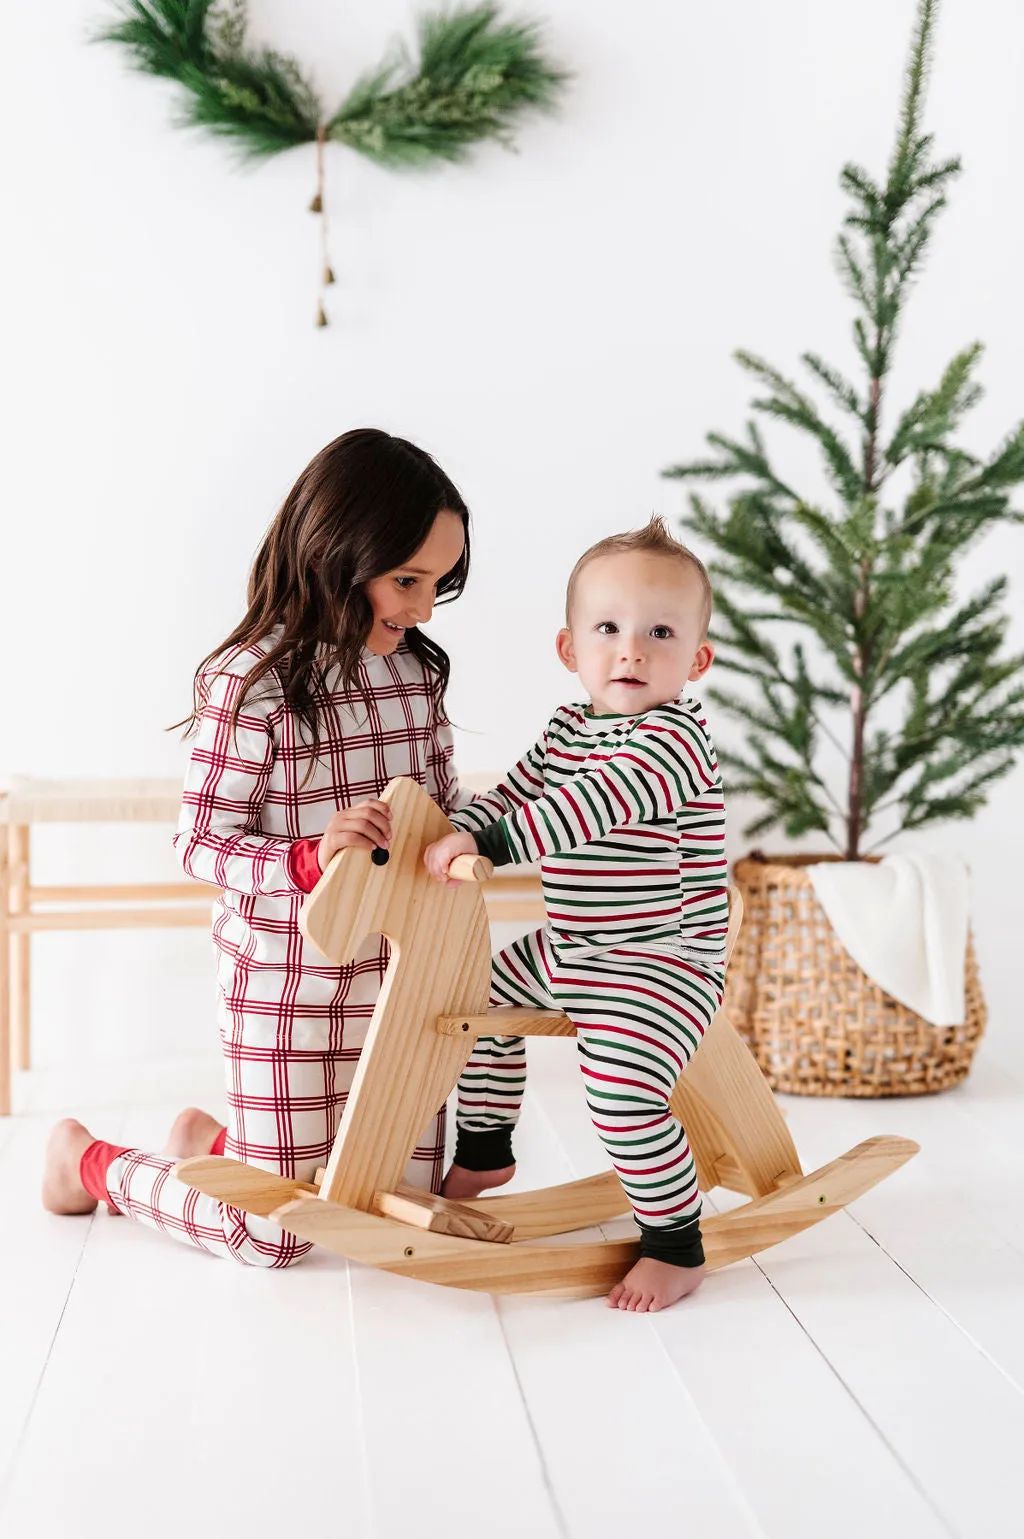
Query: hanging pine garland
{"points": [[474, 76]]}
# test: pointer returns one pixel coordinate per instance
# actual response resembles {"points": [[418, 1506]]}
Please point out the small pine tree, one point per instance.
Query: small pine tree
{"points": [[871, 578]]}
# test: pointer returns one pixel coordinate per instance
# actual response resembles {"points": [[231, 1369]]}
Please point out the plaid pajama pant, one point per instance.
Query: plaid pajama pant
{"points": [[284, 1107], [640, 1014]]}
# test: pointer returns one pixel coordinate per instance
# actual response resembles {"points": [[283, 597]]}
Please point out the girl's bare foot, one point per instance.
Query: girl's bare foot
{"points": [[192, 1132], [463, 1185], [652, 1285], [63, 1191]]}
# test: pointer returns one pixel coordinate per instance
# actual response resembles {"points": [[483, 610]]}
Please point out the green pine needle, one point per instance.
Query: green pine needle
{"points": [[257, 99], [872, 578], [475, 76]]}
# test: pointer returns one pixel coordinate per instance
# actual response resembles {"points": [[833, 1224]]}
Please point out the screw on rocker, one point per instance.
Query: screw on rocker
{"points": [[432, 1007]]}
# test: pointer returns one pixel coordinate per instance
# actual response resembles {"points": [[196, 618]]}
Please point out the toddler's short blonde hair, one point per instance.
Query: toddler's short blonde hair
{"points": [[654, 540]]}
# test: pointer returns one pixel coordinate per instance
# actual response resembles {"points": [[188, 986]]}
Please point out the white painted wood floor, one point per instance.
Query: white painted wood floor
{"points": [[864, 1379]]}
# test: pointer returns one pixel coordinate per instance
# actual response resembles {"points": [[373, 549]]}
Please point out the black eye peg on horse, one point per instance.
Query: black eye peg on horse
{"points": [[379, 856]]}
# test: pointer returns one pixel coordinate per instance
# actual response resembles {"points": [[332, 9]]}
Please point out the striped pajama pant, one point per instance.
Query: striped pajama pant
{"points": [[640, 1014], [284, 1107]]}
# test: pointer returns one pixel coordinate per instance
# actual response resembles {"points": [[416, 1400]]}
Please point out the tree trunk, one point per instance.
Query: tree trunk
{"points": [[858, 705], [855, 805]]}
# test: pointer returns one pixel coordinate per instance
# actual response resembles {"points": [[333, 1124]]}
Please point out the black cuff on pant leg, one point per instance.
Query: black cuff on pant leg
{"points": [[491, 1150], [680, 1246]]}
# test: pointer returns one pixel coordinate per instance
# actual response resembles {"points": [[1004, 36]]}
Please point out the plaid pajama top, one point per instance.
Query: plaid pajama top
{"points": [[244, 805], [626, 816]]}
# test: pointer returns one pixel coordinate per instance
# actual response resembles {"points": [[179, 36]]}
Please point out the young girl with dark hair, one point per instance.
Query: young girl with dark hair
{"points": [[324, 692]]}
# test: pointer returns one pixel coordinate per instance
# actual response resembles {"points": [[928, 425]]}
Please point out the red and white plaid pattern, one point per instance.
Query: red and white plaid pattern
{"points": [[244, 805], [283, 1112], [292, 1025]]}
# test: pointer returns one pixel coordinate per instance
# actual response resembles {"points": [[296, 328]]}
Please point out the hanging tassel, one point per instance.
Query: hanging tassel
{"points": [[317, 207]]}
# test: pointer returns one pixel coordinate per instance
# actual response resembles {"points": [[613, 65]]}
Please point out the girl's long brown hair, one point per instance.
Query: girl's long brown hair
{"points": [[362, 507]]}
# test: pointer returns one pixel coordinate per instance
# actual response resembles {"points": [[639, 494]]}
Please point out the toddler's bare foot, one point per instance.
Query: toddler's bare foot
{"points": [[192, 1132], [652, 1285], [463, 1185], [63, 1191]]}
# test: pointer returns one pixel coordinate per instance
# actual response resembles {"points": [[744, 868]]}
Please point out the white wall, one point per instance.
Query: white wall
{"points": [[555, 326]]}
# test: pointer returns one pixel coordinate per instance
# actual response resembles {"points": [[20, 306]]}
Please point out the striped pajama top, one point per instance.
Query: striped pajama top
{"points": [[627, 819]]}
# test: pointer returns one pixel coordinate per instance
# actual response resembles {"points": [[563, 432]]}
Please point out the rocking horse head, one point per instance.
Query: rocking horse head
{"points": [[390, 893], [440, 964]]}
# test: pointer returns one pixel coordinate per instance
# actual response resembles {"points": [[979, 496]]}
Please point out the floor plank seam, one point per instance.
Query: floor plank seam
{"points": [[973, 1341], [8, 1473], [364, 1462], [559, 1515], [572, 1173], [545, 1473], [894, 1454], [12, 1464], [757, 1528]]}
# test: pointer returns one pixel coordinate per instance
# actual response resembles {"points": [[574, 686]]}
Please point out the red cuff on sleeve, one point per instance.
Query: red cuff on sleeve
{"points": [[303, 864]]}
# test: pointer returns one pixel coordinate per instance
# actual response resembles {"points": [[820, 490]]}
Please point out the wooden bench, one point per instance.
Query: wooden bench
{"points": [[26, 909]]}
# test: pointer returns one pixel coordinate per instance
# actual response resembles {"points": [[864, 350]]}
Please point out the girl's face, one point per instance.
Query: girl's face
{"points": [[405, 597]]}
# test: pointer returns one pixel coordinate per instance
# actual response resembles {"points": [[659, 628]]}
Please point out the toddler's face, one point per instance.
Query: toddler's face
{"points": [[635, 634]]}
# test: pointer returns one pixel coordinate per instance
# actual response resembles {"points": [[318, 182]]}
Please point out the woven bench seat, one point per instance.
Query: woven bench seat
{"points": [[24, 801]]}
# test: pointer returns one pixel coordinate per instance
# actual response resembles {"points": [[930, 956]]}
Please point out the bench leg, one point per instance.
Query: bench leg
{"points": [[21, 949], [5, 976]]}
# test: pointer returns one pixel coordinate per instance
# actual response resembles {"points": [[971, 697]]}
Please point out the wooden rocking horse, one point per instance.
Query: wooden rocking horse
{"points": [[431, 1009]]}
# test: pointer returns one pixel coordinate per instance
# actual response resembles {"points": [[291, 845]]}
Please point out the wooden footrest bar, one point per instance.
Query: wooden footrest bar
{"points": [[440, 1215], [507, 1021]]}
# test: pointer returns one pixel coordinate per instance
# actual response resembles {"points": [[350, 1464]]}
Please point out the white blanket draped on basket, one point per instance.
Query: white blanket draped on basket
{"points": [[904, 922]]}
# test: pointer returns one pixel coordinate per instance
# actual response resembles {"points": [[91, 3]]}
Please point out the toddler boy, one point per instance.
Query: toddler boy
{"points": [[621, 802]]}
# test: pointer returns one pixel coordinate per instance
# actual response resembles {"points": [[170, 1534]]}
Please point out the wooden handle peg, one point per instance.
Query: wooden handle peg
{"points": [[471, 868]]}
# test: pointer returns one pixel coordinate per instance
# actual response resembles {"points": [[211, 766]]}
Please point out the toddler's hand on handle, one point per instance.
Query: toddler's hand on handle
{"points": [[437, 857], [364, 823]]}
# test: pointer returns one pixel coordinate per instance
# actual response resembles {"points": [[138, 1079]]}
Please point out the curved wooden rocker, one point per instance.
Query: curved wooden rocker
{"points": [[431, 1009]]}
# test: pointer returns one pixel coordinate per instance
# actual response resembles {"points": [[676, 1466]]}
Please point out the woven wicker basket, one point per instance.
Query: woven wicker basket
{"points": [[817, 1024]]}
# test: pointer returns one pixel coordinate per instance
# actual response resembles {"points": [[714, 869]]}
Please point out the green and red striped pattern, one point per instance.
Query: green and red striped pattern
{"points": [[626, 817]]}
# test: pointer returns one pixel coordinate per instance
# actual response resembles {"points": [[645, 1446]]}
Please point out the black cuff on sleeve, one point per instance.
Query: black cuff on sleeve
{"points": [[484, 1151], [492, 841], [681, 1246]]}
